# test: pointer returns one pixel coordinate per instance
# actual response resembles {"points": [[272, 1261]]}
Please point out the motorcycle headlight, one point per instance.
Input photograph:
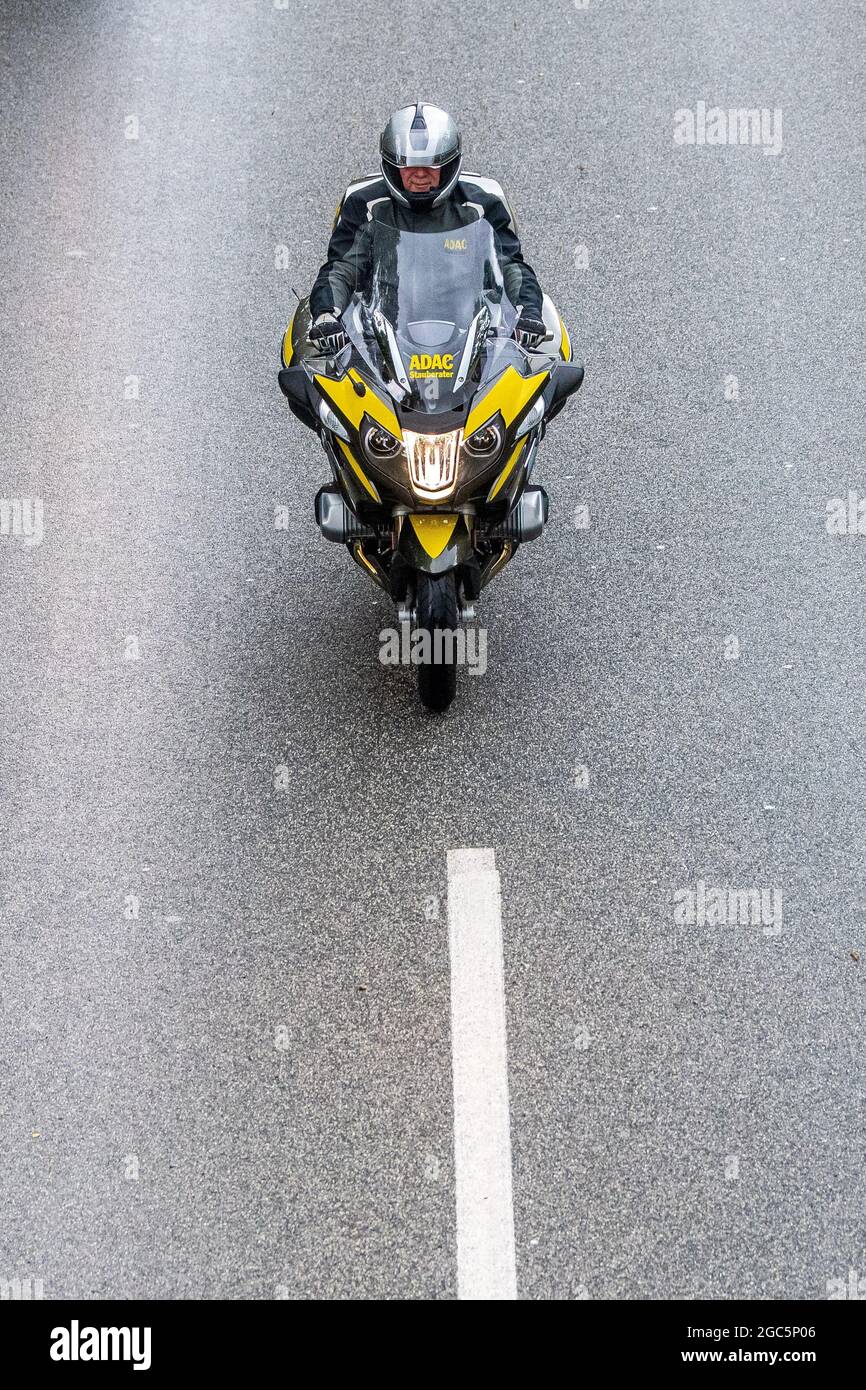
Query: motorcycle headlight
{"points": [[532, 419], [379, 444], [486, 442], [432, 462]]}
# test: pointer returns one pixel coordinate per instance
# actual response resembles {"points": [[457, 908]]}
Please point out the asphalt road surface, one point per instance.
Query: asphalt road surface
{"points": [[226, 982]]}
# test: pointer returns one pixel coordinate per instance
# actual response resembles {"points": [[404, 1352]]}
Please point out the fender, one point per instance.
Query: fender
{"points": [[435, 542]]}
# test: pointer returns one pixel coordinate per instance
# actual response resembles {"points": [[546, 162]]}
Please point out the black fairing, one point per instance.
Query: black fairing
{"points": [[295, 386], [567, 378]]}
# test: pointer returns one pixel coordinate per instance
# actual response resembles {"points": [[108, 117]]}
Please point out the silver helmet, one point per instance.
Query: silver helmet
{"points": [[425, 136]]}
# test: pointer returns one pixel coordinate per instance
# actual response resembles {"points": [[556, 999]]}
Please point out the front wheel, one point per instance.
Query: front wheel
{"points": [[436, 604]]}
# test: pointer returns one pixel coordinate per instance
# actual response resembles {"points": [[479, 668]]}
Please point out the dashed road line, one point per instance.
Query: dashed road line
{"points": [[486, 1267]]}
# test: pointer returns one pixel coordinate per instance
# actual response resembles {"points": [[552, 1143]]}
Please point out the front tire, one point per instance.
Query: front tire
{"points": [[436, 603]]}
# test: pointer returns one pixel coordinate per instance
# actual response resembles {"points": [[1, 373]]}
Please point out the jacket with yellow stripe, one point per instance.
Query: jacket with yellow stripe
{"points": [[473, 196]]}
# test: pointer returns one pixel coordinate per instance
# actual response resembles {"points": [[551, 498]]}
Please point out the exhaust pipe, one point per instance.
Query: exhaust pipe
{"points": [[337, 522]]}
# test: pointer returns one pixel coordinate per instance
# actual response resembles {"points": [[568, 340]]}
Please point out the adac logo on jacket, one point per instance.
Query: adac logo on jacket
{"points": [[425, 365], [453, 243]]}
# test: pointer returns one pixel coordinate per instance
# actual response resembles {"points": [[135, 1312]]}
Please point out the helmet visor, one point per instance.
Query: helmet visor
{"points": [[426, 136]]}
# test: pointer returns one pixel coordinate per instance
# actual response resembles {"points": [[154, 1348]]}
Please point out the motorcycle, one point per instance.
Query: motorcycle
{"points": [[431, 418]]}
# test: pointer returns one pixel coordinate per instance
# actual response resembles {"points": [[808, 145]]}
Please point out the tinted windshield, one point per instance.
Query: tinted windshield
{"points": [[443, 295]]}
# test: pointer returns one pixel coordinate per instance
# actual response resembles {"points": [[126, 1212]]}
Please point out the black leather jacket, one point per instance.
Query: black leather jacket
{"points": [[473, 196]]}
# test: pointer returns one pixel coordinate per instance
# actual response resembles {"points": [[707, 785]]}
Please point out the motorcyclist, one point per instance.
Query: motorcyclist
{"points": [[421, 159]]}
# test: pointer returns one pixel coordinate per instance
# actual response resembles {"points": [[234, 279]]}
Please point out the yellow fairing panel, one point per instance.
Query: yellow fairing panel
{"points": [[287, 343], [507, 471], [358, 471], [508, 394], [353, 407], [565, 346], [434, 532]]}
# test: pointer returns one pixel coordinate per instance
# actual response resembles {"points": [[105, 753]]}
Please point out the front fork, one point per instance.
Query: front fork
{"points": [[435, 544], [411, 556]]}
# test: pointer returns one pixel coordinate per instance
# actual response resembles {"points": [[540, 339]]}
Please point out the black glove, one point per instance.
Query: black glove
{"points": [[328, 334], [530, 329]]}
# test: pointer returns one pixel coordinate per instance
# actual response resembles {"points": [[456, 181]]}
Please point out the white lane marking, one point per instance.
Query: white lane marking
{"points": [[482, 1128]]}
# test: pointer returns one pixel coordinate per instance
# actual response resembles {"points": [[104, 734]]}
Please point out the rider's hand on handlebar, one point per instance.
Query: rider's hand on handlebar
{"points": [[530, 329], [328, 334]]}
